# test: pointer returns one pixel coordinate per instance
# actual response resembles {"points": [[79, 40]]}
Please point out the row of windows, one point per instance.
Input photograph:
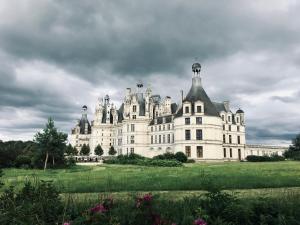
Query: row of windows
{"points": [[229, 127], [230, 153], [229, 118], [162, 127], [162, 139], [132, 128], [198, 109], [187, 120], [230, 139], [199, 135], [199, 151]]}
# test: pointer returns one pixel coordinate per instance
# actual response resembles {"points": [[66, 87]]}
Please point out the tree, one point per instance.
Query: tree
{"points": [[98, 150], [112, 151], [51, 143], [1, 174], [70, 150], [294, 150], [85, 150], [181, 157]]}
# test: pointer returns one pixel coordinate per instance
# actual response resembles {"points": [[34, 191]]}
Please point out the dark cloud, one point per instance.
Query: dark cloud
{"points": [[58, 55]]}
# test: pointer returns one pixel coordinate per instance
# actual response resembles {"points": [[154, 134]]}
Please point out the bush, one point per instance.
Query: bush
{"points": [[37, 203], [23, 161], [181, 157], [164, 156], [265, 158], [190, 161]]}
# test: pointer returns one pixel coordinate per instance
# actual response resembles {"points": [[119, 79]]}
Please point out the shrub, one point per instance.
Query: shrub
{"points": [[37, 203], [23, 161], [166, 155], [181, 157], [265, 158], [190, 161]]}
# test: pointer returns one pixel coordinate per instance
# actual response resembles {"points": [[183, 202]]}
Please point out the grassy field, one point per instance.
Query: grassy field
{"points": [[191, 177]]}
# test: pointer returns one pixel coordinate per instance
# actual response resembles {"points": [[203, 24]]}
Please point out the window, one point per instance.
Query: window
{"points": [[224, 138], [198, 134], [239, 139], [151, 129], [187, 121], [134, 117], [223, 127], [187, 134], [187, 109], [155, 139], [134, 108], [238, 128], [131, 150], [159, 139], [131, 139], [229, 127], [230, 139], [127, 128], [237, 120], [151, 139], [169, 138], [223, 118], [229, 118], [198, 120], [164, 127], [224, 152], [169, 127], [199, 109], [188, 151], [159, 128], [132, 128], [199, 152], [120, 141], [230, 152], [164, 139]]}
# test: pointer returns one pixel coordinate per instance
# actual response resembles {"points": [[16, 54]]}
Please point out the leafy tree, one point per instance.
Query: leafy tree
{"points": [[181, 157], [294, 150], [98, 150], [85, 150], [70, 150], [112, 151], [1, 174], [51, 143]]}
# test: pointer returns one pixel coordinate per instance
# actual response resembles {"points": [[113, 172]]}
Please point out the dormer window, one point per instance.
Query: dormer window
{"points": [[187, 109], [229, 118], [237, 120], [134, 108], [223, 118], [199, 109]]}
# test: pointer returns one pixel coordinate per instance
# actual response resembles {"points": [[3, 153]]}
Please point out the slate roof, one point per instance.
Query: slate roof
{"points": [[198, 93], [82, 123], [168, 119]]}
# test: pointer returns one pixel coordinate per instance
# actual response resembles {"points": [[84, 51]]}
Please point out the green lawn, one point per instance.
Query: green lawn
{"points": [[191, 177]]}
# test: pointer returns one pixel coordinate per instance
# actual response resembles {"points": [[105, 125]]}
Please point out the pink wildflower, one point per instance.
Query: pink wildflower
{"points": [[67, 223], [199, 222], [98, 208], [147, 197]]}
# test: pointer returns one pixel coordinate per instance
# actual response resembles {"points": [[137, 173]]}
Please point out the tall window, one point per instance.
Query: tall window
{"points": [[169, 138], [237, 120], [229, 127], [230, 139], [187, 109], [159, 139], [199, 109], [224, 152], [187, 121], [155, 139], [223, 118], [188, 151], [198, 120], [131, 150], [132, 128], [239, 139], [131, 139], [151, 129], [187, 134], [230, 152], [169, 127], [199, 134], [238, 128], [151, 139], [134, 108], [223, 127], [199, 152], [229, 118], [159, 128], [164, 139], [224, 138]]}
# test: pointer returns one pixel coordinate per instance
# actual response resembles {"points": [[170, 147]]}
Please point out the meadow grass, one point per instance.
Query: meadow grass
{"points": [[191, 177]]}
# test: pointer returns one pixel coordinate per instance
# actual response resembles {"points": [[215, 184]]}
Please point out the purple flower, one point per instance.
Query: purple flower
{"points": [[67, 223], [98, 208], [147, 197], [199, 221]]}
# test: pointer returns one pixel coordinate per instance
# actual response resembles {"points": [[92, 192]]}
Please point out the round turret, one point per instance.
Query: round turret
{"points": [[239, 111], [84, 107]]}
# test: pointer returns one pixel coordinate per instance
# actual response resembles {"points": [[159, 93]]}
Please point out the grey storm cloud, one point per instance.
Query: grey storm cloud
{"points": [[57, 55]]}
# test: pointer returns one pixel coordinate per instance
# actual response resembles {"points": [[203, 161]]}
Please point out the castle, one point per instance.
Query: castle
{"points": [[149, 125]]}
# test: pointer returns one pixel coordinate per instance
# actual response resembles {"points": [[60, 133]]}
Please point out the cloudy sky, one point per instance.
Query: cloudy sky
{"points": [[57, 55]]}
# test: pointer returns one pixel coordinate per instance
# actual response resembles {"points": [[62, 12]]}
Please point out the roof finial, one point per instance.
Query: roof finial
{"points": [[196, 67]]}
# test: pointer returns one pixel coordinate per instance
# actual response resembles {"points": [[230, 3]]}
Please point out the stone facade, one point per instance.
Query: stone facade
{"points": [[149, 125]]}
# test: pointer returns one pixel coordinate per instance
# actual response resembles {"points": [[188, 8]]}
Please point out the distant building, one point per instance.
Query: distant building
{"points": [[149, 125]]}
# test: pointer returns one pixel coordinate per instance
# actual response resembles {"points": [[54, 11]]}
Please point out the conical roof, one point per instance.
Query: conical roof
{"points": [[197, 93]]}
